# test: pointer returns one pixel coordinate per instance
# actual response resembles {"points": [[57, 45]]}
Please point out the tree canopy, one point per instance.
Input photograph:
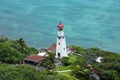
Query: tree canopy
{"points": [[14, 51], [26, 72], [109, 69]]}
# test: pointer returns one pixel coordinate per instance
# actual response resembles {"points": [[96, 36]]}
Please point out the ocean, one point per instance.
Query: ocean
{"points": [[87, 23]]}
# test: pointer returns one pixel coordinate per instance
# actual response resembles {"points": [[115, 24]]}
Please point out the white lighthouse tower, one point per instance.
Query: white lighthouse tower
{"points": [[61, 43]]}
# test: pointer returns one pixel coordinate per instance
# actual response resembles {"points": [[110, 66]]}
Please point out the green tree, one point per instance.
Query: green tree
{"points": [[49, 60], [26, 72], [9, 54], [65, 61]]}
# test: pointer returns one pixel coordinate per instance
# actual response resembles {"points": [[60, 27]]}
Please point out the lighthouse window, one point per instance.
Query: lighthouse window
{"points": [[58, 37], [59, 55], [64, 48], [59, 43]]}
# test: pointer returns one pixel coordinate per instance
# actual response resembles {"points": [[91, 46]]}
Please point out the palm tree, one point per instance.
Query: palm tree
{"points": [[21, 45]]}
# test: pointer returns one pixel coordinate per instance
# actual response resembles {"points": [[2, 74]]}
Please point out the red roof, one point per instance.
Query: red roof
{"points": [[60, 25], [52, 47], [34, 58]]}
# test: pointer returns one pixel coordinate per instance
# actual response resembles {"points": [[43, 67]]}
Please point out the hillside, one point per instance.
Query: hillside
{"points": [[80, 65]]}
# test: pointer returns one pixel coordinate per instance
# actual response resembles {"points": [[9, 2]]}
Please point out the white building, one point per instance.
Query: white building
{"points": [[99, 59], [61, 43], [42, 52]]}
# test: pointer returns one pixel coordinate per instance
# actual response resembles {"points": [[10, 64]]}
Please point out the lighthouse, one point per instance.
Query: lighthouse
{"points": [[61, 43]]}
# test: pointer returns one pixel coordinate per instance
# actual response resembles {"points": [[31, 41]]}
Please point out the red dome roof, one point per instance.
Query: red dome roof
{"points": [[60, 25]]}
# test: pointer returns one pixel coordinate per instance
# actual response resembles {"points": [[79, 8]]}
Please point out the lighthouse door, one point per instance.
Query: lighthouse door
{"points": [[59, 55]]}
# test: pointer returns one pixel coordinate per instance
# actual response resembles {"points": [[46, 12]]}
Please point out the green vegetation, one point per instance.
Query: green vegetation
{"points": [[14, 51], [26, 72], [72, 58], [61, 68], [49, 60], [109, 69], [65, 61], [68, 75], [80, 64]]}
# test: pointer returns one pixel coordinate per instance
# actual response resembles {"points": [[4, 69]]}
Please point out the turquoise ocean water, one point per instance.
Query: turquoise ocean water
{"points": [[89, 23]]}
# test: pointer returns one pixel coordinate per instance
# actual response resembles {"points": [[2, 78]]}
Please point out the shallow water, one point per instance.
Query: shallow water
{"points": [[89, 23]]}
